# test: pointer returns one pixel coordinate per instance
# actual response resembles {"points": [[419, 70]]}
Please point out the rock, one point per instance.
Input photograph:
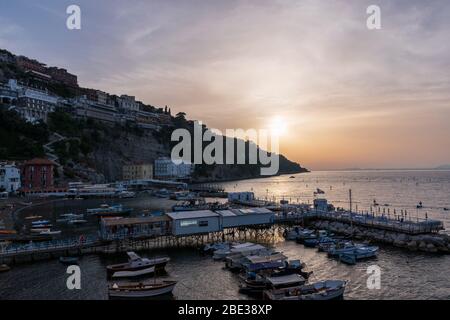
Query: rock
{"points": [[412, 245], [431, 248], [399, 243]]}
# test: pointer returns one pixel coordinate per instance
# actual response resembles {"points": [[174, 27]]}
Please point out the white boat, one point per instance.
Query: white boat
{"points": [[135, 273], [244, 249], [323, 290], [50, 233], [72, 216], [39, 222], [39, 230], [136, 263], [141, 290]]}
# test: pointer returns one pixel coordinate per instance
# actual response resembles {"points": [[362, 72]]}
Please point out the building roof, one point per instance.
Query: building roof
{"points": [[191, 214], [39, 161], [242, 212], [133, 221]]}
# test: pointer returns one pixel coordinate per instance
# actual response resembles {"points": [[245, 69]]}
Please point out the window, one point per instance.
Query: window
{"points": [[188, 223], [203, 223]]}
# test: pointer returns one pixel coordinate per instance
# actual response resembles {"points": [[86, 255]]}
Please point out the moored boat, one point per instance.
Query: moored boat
{"points": [[136, 263], [141, 290], [106, 210], [68, 260], [323, 290]]}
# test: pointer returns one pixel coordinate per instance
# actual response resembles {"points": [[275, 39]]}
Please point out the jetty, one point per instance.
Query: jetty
{"points": [[195, 228]]}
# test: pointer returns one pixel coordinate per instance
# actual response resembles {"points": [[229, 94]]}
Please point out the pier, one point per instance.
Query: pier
{"points": [[159, 232]]}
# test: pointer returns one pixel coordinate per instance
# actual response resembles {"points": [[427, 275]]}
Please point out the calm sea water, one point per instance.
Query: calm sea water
{"points": [[405, 275]]}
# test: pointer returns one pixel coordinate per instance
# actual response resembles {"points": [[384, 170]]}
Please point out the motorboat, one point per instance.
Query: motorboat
{"points": [[348, 259], [33, 217], [72, 216], [312, 243], [68, 260], [40, 222], [4, 268], [162, 193], [136, 263], [292, 235], [133, 273], [50, 233], [106, 210], [191, 205], [360, 251], [243, 249], [255, 263], [141, 290], [76, 221], [257, 284], [323, 290]]}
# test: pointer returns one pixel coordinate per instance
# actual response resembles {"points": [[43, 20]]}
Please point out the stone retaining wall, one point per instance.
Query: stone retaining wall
{"points": [[426, 242]]}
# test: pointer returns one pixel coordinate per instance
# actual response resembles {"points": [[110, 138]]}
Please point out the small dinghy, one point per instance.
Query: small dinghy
{"points": [[323, 290], [68, 260], [141, 290], [4, 268]]}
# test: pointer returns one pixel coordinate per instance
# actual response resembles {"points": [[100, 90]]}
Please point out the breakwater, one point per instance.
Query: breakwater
{"points": [[429, 242]]}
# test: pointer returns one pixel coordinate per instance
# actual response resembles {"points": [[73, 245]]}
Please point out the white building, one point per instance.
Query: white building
{"points": [[128, 103], [165, 168], [9, 177]]}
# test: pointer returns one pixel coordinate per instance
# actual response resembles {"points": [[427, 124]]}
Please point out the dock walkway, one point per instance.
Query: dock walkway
{"points": [[93, 243]]}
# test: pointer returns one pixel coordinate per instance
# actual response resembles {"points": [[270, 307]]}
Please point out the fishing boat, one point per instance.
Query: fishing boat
{"points": [[8, 232], [191, 205], [136, 264], [50, 233], [348, 259], [76, 221], [106, 210], [135, 273], [40, 222], [33, 217], [72, 216], [360, 251], [4, 268], [162, 193], [305, 234], [68, 260], [141, 290], [292, 235], [312, 243], [323, 290], [260, 282], [39, 230], [255, 263], [243, 249], [41, 226]]}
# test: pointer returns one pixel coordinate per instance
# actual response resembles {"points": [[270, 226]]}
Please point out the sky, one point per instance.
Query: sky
{"points": [[345, 96]]}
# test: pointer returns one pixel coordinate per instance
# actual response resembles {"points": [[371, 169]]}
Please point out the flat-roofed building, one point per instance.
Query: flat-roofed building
{"points": [[194, 222], [245, 217], [137, 171], [139, 227]]}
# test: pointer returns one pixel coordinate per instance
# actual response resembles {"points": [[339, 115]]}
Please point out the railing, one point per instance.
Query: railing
{"points": [[379, 222]]}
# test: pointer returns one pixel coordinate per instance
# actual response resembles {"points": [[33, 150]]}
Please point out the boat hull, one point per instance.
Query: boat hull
{"points": [[141, 293], [131, 274]]}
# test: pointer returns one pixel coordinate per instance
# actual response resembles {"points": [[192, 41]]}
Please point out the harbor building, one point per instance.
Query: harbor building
{"points": [[34, 105], [165, 168], [194, 222], [121, 228], [9, 177], [245, 217], [138, 171], [37, 176]]}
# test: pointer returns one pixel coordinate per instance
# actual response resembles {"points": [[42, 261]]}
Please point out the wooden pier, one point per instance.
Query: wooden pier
{"points": [[164, 239]]}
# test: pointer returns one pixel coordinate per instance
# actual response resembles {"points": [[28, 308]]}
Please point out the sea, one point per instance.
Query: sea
{"points": [[403, 274]]}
